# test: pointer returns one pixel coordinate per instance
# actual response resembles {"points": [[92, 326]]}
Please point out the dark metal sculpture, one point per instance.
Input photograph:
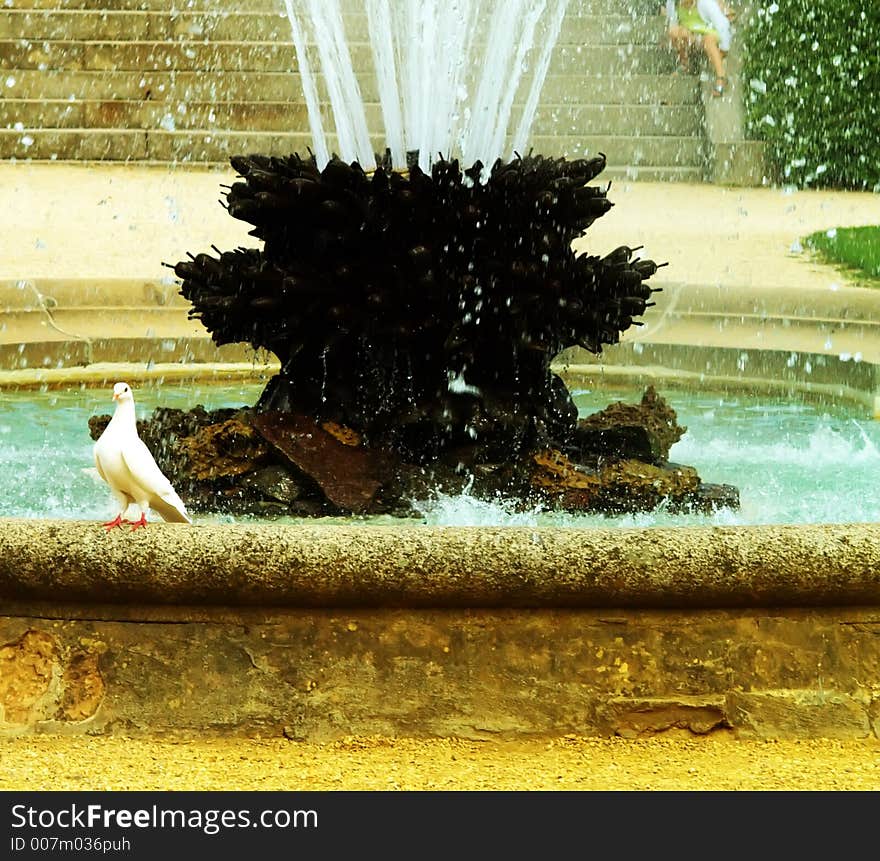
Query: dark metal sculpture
{"points": [[415, 318], [423, 311]]}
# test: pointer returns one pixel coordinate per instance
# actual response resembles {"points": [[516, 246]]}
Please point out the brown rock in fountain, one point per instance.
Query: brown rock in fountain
{"points": [[223, 450], [620, 486], [645, 431], [274, 463], [347, 473]]}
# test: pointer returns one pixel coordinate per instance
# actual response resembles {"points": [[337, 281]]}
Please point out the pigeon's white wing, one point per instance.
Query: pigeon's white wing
{"points": [[143, 468], [146, 474], [98, 466]]}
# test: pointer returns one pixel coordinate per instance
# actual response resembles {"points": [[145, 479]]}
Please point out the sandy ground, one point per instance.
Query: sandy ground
{"points": [[671, 762], [85, 221]]}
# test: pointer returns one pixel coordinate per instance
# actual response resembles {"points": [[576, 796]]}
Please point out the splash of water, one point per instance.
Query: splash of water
{"points": [[823, 446], [447, 83], [464, 509]]}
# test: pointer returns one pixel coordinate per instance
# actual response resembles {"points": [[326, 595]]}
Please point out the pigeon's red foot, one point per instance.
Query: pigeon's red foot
{"points": [[137, 524], [112, 524]]}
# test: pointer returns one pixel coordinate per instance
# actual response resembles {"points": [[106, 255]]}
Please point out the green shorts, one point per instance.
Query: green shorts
{"points": [[691, 20]]}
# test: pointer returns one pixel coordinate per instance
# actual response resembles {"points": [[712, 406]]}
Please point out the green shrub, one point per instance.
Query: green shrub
{"points": [[812, 68]]}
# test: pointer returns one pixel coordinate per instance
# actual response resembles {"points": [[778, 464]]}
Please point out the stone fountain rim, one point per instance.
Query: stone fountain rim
{"points": [[272, 566], [75, 563]]}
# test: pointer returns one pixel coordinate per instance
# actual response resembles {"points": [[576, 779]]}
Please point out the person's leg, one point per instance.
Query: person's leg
{"points": [[716, 58], [681, 40]]}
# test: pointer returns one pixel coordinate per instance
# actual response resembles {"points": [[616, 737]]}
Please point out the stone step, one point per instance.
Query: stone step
{"points": [[270, 25], [135, 88], [128, 321], [617, 173], [60, 351], [274, 56], [213, 145], [637, 120], [63, 322], [83, 322], [50, 294], [231, 86], [631, 8]]}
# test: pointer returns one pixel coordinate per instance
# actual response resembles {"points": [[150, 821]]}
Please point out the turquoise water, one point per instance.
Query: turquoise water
{"points": [[792, 462]]}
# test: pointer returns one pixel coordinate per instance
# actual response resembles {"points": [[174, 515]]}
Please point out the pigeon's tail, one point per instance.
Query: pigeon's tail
{"points": [[171, 508]]}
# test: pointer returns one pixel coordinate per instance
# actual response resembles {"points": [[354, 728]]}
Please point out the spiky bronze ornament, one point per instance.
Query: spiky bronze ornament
{"points": [[422, 311]]}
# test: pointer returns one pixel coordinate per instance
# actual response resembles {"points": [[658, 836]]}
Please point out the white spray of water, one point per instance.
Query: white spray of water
{"points": [[342, 85], [527, 117], [310, 90], [382, 44], [454, 45], [412, 53], [496, 69], [439, 92], [823, 447], [464, 509], [524, 46]]}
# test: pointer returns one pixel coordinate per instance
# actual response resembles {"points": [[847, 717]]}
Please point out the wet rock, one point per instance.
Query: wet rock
{"points": [[623, 486], [708, 498], [274, 482], [645, 431], [166, 422], [222, 450], [349, 476], [273, 463]]}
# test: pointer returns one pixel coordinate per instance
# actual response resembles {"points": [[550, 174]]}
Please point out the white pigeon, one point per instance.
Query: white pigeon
{"points": [[125, 463]]}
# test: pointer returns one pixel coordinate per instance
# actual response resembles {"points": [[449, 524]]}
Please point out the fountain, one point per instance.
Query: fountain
{"points": [[415, 318], [316, 632], [416, 313]]}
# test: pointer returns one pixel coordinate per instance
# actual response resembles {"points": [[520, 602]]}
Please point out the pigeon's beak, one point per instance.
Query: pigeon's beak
{"points": [[115, 396]]}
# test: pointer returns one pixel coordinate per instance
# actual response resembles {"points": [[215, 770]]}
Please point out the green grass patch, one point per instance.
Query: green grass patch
{"points": [[855, 249]]}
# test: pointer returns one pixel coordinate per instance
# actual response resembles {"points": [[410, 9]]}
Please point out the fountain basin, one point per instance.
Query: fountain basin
{"points": [[317, 633], [793, 653]]}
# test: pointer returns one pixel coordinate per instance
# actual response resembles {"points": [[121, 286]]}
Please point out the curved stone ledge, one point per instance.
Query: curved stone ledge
{"points": [[418, 566]]}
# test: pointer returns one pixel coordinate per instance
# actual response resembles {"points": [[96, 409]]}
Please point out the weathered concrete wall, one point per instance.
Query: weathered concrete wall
{"points": [[320, 674], [322, 632]]}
